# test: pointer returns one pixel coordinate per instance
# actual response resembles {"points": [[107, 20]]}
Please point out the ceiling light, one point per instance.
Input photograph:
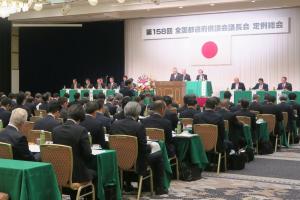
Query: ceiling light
{"points": [[93, 2], [121, 1], [180, 7], [212, 4], [38, 6], [253, 1]]}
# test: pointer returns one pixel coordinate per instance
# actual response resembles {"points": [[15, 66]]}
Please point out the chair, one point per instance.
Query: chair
{"points": [[35, 118], [271, 121], [209, 137], [34, 134], [4, 196], [186, 121], [158, 134], [6, 151], [61, 158], [41, 113], [244, 120], [27, 127], [126, 148], [285, 124]]}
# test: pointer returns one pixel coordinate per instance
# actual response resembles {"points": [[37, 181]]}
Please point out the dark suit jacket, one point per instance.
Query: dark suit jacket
{"points": [[44, 106], [288, 86], [187, 77], [105, 121], [285, 107], [64, 114], [112, 86], [172, 117], [273, 109], [126, 91], [235, 108], [179, 77], [247, 113], [131, 127], [4, 116], [88, 86], [204, 77], [75, 136], [188, 113], [102, 86], [111, 108], [78, 86], [119, 116], [48, 123], [296, 107], [96, 129], [241, 86], [256, 106], [210, 117], [156, 121], [31, 107], [19, 143], [265, 87]]}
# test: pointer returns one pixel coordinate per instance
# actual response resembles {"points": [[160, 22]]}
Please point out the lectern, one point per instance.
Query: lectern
{"points": [[174, 89]]}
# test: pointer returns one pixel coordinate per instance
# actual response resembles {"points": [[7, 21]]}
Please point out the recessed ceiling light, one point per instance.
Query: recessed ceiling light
{"points": [[253, 1], [212, 4], [180, 7]]}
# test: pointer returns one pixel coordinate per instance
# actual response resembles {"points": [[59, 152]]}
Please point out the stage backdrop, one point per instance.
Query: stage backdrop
{"points": [[51, 57], [248, 45], [5, 59]]}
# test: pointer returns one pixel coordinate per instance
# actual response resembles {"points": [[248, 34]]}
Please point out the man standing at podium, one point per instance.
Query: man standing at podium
{"points": [[201, 76], [175, 76]]}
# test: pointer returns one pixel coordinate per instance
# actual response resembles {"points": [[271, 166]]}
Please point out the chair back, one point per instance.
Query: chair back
{"points": [[226, 124], [244, 120], [126, 148], [255, 112], [186, 121], [6, 151], [34, 134], [208, 134], [27, 127], [155, 134], [61, 158], [270, 119], [41, 113], [285, 119], [35, 118]]}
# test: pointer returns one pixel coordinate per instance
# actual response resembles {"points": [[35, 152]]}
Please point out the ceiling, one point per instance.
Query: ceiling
{"points": [[81, 11]]}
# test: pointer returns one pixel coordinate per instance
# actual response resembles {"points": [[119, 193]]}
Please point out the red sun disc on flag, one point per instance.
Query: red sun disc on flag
{"points": [[209, 49]]}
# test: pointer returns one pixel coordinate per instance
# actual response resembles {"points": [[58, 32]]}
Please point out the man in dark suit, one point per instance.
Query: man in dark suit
{"points": [[88, 84], [296, 107], [201, 76], [284, 85], [156, 120], [121, 115], [75, 84], [49, 122], [227, 97], [130, 126], [63, 113], [208, 116], [92, 125], [5, 108], [169, 115], [112, 85], [191, 109], [127, 89], [100, 84], [237, 85], [261, 85], [255, 105], [76, 99], [175, 76], [246, 112], [105, 121], [12, 135], [44, 104], [112, 108], [285, 107], [185, 76], [76, 136]]}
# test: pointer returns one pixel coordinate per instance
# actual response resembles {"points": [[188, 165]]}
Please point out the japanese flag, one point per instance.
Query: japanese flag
{"points": [[210, 50]]}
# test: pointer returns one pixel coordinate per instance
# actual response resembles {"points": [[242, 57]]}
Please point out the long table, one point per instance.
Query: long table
{"points": [[24, 180], [238, 95]]}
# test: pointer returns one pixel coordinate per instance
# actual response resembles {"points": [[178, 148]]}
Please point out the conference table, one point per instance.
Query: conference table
{"points": [[248, 94], [24, 180]]}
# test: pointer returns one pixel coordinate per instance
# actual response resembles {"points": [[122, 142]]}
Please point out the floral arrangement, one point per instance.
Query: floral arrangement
{"points": [[144, 84]]}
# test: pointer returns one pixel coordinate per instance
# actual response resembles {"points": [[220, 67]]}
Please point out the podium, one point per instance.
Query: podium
{"points": [[174, 89]]}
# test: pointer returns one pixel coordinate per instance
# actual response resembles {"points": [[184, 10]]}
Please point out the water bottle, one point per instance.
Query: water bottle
{"points": [[42, 137], [90, 138], [178, 127], [1, 124]]}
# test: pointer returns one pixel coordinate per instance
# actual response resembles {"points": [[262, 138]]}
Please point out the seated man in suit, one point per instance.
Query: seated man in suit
{"points": [[127, 89], [121, 115], [285, 107], [284, 85], [271, 108], [191, 109], [112, 85], [175, 76], [88, 84], [185, 76], [75, 84], [296, 107], [156, 120], [112, 108], [49, 122], [76, 136], [235, 127], [130, 126], [237, 85], [255, 105], [92, 125], [105, 121], [5, 108], [169, 115], [261, 85], [246, 112], [44, 103], [100, 84], [201, 76], [122, 84], [12, 135], [63, 113], [208, 116]]}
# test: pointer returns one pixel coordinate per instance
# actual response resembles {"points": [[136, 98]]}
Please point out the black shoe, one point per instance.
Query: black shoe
{"points": [[160, 191]]}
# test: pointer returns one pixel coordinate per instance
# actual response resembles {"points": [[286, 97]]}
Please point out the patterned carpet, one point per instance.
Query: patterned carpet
{"points": [[255, 182]]}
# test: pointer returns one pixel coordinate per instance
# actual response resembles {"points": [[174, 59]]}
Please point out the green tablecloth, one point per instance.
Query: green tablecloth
{"points": [[262, 94], [199, 88], [248, 136], [167, 166], [262, 132], [192, 150], [283, 137], [24, 180], [107, 172]]}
